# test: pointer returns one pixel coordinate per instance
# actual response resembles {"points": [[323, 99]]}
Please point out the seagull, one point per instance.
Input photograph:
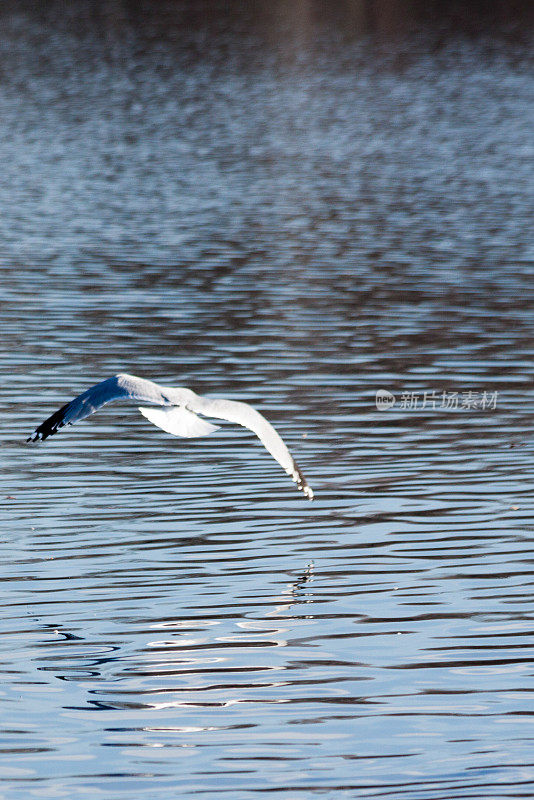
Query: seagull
{"points": [[177, 416]]}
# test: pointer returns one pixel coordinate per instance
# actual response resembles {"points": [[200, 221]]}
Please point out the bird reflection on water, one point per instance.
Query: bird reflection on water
{"points": [[80, 659]]}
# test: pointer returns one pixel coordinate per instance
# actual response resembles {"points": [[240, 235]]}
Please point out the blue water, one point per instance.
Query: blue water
{"points": [[292, 209]]}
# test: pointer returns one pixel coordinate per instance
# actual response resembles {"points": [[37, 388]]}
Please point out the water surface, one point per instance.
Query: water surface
{"points": [[295, 210]]}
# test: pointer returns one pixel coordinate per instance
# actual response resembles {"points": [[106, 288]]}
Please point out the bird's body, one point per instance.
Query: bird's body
{"points": [[177, 414]]}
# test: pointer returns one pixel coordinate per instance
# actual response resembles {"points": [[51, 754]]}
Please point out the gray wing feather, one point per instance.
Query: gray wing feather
{"points": [[82, 406], [118, 387], [248, 417]]}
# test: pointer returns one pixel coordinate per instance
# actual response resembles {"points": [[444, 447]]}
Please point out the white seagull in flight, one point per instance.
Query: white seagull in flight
{"points": [[178, 415]]}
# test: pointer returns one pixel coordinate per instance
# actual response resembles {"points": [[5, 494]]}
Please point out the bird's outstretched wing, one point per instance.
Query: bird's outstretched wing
{"points": [[248, 417], [179, 418], [121, 386], [81, 407]]}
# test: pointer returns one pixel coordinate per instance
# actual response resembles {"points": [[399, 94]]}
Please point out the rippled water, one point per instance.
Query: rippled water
{"points": [[275, 209]]}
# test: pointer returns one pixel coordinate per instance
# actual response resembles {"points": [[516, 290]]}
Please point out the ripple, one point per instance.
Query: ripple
{"points": [[269, 207]]}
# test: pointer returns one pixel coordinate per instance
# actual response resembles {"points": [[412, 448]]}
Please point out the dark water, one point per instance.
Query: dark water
{"points": [[295, 208]]}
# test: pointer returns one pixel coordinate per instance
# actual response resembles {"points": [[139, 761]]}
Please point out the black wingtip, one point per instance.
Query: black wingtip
{"points": [[50, 425]]}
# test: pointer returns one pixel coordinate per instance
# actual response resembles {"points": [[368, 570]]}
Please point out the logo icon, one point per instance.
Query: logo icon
{"points": [[384, 399]]}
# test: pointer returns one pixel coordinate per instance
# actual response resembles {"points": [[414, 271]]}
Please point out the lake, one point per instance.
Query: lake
{"points": [[296, 207]]}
